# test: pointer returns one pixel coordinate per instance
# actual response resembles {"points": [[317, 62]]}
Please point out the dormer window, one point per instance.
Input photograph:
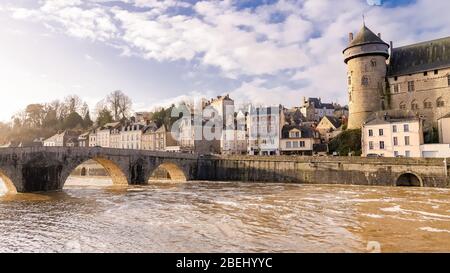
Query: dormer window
{"points": [[294, 134]]}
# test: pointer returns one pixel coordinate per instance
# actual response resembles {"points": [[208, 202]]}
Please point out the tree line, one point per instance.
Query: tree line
{"points": [[71, 113]]}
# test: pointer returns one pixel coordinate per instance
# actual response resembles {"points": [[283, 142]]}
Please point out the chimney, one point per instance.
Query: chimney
{"points": [[379, 35], [350, 37]]}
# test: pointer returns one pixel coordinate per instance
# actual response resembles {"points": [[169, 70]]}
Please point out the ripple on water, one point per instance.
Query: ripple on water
{"points": [[219, 217]]}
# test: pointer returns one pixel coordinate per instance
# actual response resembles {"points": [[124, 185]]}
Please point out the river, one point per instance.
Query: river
{"points": [[90, 216]]}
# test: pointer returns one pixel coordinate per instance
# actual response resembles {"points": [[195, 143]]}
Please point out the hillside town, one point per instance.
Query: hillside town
{"points": [[303, 130], [399, 106]]}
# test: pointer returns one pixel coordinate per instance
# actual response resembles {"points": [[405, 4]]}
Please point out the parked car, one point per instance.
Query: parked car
{"points": [[374, 155]]}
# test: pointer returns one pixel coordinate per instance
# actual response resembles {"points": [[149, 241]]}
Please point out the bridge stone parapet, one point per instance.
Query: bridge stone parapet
{"points": [[47, 168]]}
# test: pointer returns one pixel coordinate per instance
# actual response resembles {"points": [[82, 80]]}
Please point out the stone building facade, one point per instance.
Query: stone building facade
{"points": [[413, 78]]}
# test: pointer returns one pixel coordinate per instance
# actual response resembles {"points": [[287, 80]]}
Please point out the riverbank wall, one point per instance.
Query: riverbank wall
{"points": [[425, 172]]}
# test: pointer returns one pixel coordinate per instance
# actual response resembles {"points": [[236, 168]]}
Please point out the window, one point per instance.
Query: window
{"points": [[370, 145], [448, 80], [395, 78], [295, 144], [370, 132], [425, 73], [365, 81], [381, 132], [396, 153], [394, 128], [288, 144], [302, 144], [349, 80], [406, 128], [436, 72], [407, 143], [396, 89], [373, 62], [440, 103], [427, 104], [414, 105], [395, 141], [382, 145], [411, 86], [407, 153], [402, 106]]}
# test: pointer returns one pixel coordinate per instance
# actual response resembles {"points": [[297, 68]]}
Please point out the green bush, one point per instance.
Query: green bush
{"points": [[347, 142]]}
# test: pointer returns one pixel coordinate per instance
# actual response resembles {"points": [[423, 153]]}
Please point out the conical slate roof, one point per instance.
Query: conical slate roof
{"points": [[365, 36]]}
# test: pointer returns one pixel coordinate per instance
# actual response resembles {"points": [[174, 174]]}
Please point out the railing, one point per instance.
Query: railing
{"points": [[111, 151]]}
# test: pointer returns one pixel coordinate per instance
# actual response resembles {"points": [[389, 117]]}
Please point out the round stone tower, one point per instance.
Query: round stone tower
{"points": [[365, 57]]}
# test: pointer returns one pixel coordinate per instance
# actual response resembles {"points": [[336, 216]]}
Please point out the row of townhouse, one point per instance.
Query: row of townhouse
{"points": [[275, 131], [134, 135], [255, 130]]}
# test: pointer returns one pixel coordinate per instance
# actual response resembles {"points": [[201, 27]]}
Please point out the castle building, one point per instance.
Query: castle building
{"points": [[410, 79]]}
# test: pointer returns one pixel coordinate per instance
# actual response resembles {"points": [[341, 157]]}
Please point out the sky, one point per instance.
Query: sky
{"points": [[159, 52]]}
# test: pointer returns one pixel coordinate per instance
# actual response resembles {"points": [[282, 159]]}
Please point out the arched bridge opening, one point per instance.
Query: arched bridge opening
{"points": [[97, 171], [168, 171], [6, 185], [409, 180]]}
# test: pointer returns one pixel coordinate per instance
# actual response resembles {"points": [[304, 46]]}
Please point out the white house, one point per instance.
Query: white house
{"points": [[131, 136], [103, 136], [298, 140], [389, 137], [264, 130]]}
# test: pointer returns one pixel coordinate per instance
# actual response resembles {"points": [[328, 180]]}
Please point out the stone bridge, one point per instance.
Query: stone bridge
{"points": [[47, 168]]}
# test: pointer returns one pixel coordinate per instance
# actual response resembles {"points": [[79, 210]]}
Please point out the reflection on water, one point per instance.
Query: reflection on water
{"points": [[225, 217]]}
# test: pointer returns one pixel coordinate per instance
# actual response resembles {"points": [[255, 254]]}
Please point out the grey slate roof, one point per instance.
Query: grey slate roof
{"points": [[306, 132], [365, 36], [318, 104], [335, 121], [421, 57], [379, 121]]}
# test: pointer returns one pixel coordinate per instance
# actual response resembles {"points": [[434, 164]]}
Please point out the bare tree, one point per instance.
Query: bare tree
{"points": [[119, 104], [73, 103]]}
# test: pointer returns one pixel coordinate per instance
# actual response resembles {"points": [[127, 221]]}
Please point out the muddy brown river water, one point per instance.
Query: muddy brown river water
{"points": [[90, 216]]}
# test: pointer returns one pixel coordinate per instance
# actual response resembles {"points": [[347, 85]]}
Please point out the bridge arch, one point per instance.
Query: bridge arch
{"points": [[173, 171], [10, 187], [409, 179], [112, 168]]}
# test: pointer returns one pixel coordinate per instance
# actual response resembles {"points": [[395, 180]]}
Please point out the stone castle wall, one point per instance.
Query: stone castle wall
{"points": [[430, 88]]}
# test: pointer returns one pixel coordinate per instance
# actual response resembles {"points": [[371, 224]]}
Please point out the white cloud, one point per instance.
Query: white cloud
{"points": [[305, 45]]}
